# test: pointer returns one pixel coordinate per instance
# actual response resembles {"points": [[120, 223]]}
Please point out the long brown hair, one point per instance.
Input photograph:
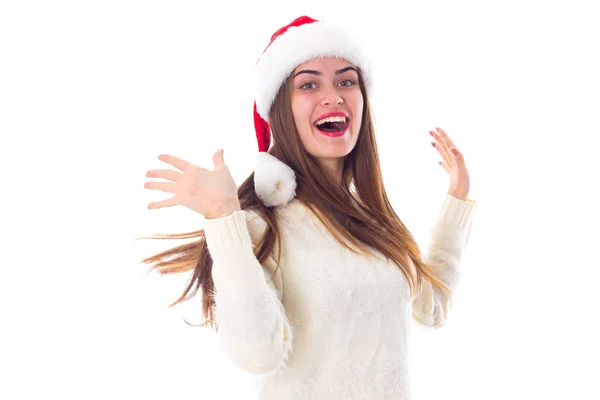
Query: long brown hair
{"points": [[358, 210]]}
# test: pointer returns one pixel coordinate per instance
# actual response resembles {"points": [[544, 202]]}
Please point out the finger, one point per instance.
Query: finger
{"points": [[163, 186], [218, 158], [457, 154], [445, 138], [174, 161], [443, 164], [443, 152], [164, 174], [161, 204], [438, 137], [440, 140]]}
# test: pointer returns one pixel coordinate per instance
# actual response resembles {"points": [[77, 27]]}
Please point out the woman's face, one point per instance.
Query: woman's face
{"points": [[327, 105]]}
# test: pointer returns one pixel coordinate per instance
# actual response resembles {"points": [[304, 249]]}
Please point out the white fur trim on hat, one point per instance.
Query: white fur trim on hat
{"points": [[300, 44], [274, 181]]}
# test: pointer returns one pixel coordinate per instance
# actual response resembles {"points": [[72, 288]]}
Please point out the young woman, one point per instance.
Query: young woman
{"points": [[309, 274]]}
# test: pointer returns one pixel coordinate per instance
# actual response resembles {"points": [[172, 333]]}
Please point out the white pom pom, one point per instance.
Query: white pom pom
{"points": [[274, 182]]}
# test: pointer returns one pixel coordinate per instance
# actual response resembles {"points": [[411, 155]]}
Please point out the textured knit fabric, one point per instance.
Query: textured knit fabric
{"points": [[331, 324]]}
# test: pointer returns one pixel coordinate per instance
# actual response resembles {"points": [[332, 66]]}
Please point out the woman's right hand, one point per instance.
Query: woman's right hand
{"points": [[210, 193]]}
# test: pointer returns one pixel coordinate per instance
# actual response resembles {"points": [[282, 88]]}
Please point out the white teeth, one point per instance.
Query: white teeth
{"points": [[331, 119]]}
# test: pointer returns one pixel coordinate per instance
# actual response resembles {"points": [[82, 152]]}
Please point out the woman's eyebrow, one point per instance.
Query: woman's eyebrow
{"points": [[313, 72]]}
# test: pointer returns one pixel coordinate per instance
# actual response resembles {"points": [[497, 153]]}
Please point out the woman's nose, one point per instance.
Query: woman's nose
{"points": [[332, 97]]}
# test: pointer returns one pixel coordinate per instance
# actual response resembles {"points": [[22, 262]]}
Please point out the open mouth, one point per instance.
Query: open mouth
{"points": [[333, 124]]}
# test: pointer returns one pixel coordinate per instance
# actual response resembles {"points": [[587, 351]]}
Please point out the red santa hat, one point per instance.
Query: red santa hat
{"points": [[301, 40]]}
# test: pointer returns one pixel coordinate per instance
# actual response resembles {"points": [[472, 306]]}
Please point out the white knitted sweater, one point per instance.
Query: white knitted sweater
{"points": [[331, 324]]}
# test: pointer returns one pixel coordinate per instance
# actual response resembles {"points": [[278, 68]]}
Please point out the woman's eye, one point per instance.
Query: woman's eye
{"points": [[308, 85], [347, 82]]}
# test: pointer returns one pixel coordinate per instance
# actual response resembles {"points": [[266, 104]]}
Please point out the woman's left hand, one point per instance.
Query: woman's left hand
{"points": [[454, 164]]}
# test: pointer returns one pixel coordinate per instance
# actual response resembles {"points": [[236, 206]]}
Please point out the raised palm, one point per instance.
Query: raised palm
{"points": [[194, 187]]}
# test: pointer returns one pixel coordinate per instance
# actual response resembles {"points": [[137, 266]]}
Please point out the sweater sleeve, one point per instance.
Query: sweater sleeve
{"points": [[449, 239], [253, 328]]}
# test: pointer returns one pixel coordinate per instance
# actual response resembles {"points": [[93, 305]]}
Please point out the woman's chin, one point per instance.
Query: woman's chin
{"points": [[333, 150]]}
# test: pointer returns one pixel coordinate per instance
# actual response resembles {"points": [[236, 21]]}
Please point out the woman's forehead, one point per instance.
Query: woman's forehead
{"points": [[324, 63]]}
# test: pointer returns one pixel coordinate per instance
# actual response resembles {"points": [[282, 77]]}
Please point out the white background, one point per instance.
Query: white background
{"points": [[92, 91]]}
